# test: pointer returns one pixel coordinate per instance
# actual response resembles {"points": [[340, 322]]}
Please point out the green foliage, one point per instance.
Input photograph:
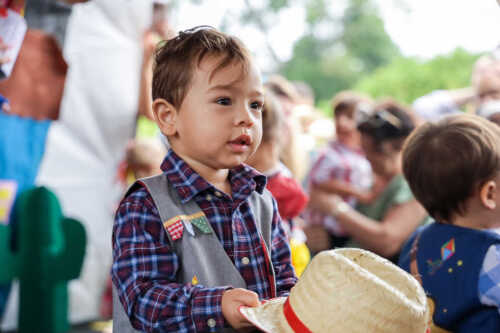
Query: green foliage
{"points": [[408, 78], [353, 45], [277, 5], [324, 106], [365, 36], [316, 11]]}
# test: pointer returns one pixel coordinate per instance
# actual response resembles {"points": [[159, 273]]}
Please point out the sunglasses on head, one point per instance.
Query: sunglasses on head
{"points": [[379, 118]]}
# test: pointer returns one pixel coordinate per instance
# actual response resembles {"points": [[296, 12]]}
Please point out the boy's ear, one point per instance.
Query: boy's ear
{"points": [[166, 116], [488, 194]]}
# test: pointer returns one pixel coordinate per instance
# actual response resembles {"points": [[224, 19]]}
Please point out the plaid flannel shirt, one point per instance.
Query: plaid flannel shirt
{"points": [[145, 267]]}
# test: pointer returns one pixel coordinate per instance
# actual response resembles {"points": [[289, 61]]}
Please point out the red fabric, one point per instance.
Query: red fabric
{"points": [[295, 323], [289, 195], [35, 86]]}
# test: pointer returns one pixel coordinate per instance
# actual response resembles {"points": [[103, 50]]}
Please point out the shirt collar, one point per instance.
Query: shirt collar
{"points": [[189, 183]]}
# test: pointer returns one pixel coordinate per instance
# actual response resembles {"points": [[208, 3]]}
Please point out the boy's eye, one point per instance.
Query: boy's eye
{"points": [[223, 101], [257, 105]]}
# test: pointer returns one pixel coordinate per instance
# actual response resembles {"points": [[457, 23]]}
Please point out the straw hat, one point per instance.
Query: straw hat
{"points": [[347, 290]]}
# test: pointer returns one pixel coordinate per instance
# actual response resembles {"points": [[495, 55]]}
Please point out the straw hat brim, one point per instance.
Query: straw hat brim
{"points": [[383, 297], [268, 317]]}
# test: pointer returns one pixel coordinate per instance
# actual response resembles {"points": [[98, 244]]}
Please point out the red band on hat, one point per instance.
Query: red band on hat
{"points": [[295, 323]]}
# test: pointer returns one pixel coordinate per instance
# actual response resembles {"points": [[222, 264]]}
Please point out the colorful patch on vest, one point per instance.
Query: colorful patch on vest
{"points": [[8, 189], [188, 226], [201, 223], [186, 222], [175, 229], [447, 251], [194, 280]]}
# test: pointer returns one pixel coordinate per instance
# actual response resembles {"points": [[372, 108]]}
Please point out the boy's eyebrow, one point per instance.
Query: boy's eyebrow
{"points": [[230, 86]]}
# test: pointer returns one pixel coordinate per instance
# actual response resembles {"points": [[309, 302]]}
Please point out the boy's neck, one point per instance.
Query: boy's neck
{"points": [[478, 218], [217, 177]]}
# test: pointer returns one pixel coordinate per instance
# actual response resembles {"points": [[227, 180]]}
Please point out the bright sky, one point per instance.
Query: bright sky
{"points": [[431, 27]]}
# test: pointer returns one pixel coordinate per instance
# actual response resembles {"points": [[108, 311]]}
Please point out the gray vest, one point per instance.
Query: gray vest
{"points": [[203, 255]]}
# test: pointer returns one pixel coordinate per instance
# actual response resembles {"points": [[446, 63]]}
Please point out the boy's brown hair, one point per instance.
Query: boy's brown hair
{"points": [[447, 162], [177, 58]]}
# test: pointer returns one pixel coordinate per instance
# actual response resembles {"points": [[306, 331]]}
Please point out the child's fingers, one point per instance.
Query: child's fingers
{"points": [[249, 298]]}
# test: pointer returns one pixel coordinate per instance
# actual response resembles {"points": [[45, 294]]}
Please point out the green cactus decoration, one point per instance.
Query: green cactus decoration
{"points": [[51, 250]]}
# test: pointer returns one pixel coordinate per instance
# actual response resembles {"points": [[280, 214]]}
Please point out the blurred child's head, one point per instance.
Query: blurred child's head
{"points": [[345, 106], [285, 93], [453, 166], [383, 132], [272, 132], [292, 153], [491, 111], [272, 120], [144, 157], [208, 97], [305, 92], [488, 87]]}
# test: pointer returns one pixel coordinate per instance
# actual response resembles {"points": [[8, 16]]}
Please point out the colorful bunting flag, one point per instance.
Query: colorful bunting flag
{"points": [[177, 224], [189, 227], [201, 223], [175, 229]]}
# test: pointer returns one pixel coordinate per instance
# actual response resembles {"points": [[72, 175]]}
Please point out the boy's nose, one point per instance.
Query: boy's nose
{"points": [[245, 117]]}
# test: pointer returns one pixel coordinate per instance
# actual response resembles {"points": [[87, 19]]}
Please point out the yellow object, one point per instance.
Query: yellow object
{"points": [[194, 281], [5, 194], [146, 128], [300, 256]]}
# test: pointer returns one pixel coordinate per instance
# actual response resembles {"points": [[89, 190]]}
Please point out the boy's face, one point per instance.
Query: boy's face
{"points": [[345, 127], [219, 123], [488, 88]]}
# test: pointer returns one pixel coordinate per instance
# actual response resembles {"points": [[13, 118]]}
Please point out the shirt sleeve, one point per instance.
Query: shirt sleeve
{"points": [[144, 270], [489, 278], [281, 256], [403, 193], [324, 167], [435, 105]]}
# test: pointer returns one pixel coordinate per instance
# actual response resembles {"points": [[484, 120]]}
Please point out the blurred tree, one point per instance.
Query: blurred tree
{"points": [[339, 48], [408, 78]]}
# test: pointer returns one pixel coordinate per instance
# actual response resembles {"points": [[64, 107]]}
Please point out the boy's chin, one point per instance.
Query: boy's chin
{"points": [[234, 162]]}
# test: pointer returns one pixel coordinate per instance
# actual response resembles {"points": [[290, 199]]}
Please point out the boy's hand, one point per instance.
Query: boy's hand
{"points": [[232, 299]]}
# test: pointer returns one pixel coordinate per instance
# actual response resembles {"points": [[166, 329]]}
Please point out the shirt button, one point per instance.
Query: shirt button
{"points": [[245, 260], [211, 323], [208, 197], [218, 194]]}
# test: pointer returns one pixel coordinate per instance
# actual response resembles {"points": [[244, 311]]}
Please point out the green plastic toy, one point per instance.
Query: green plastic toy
{"points": [[50, 252]]}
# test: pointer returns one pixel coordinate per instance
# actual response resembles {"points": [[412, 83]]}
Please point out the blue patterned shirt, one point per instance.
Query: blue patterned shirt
{"points": [[145, 267], [489, 278]]}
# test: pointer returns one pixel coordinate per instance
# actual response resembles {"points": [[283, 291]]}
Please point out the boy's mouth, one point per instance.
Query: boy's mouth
{"points": [[240, 144], [242, 140]]}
